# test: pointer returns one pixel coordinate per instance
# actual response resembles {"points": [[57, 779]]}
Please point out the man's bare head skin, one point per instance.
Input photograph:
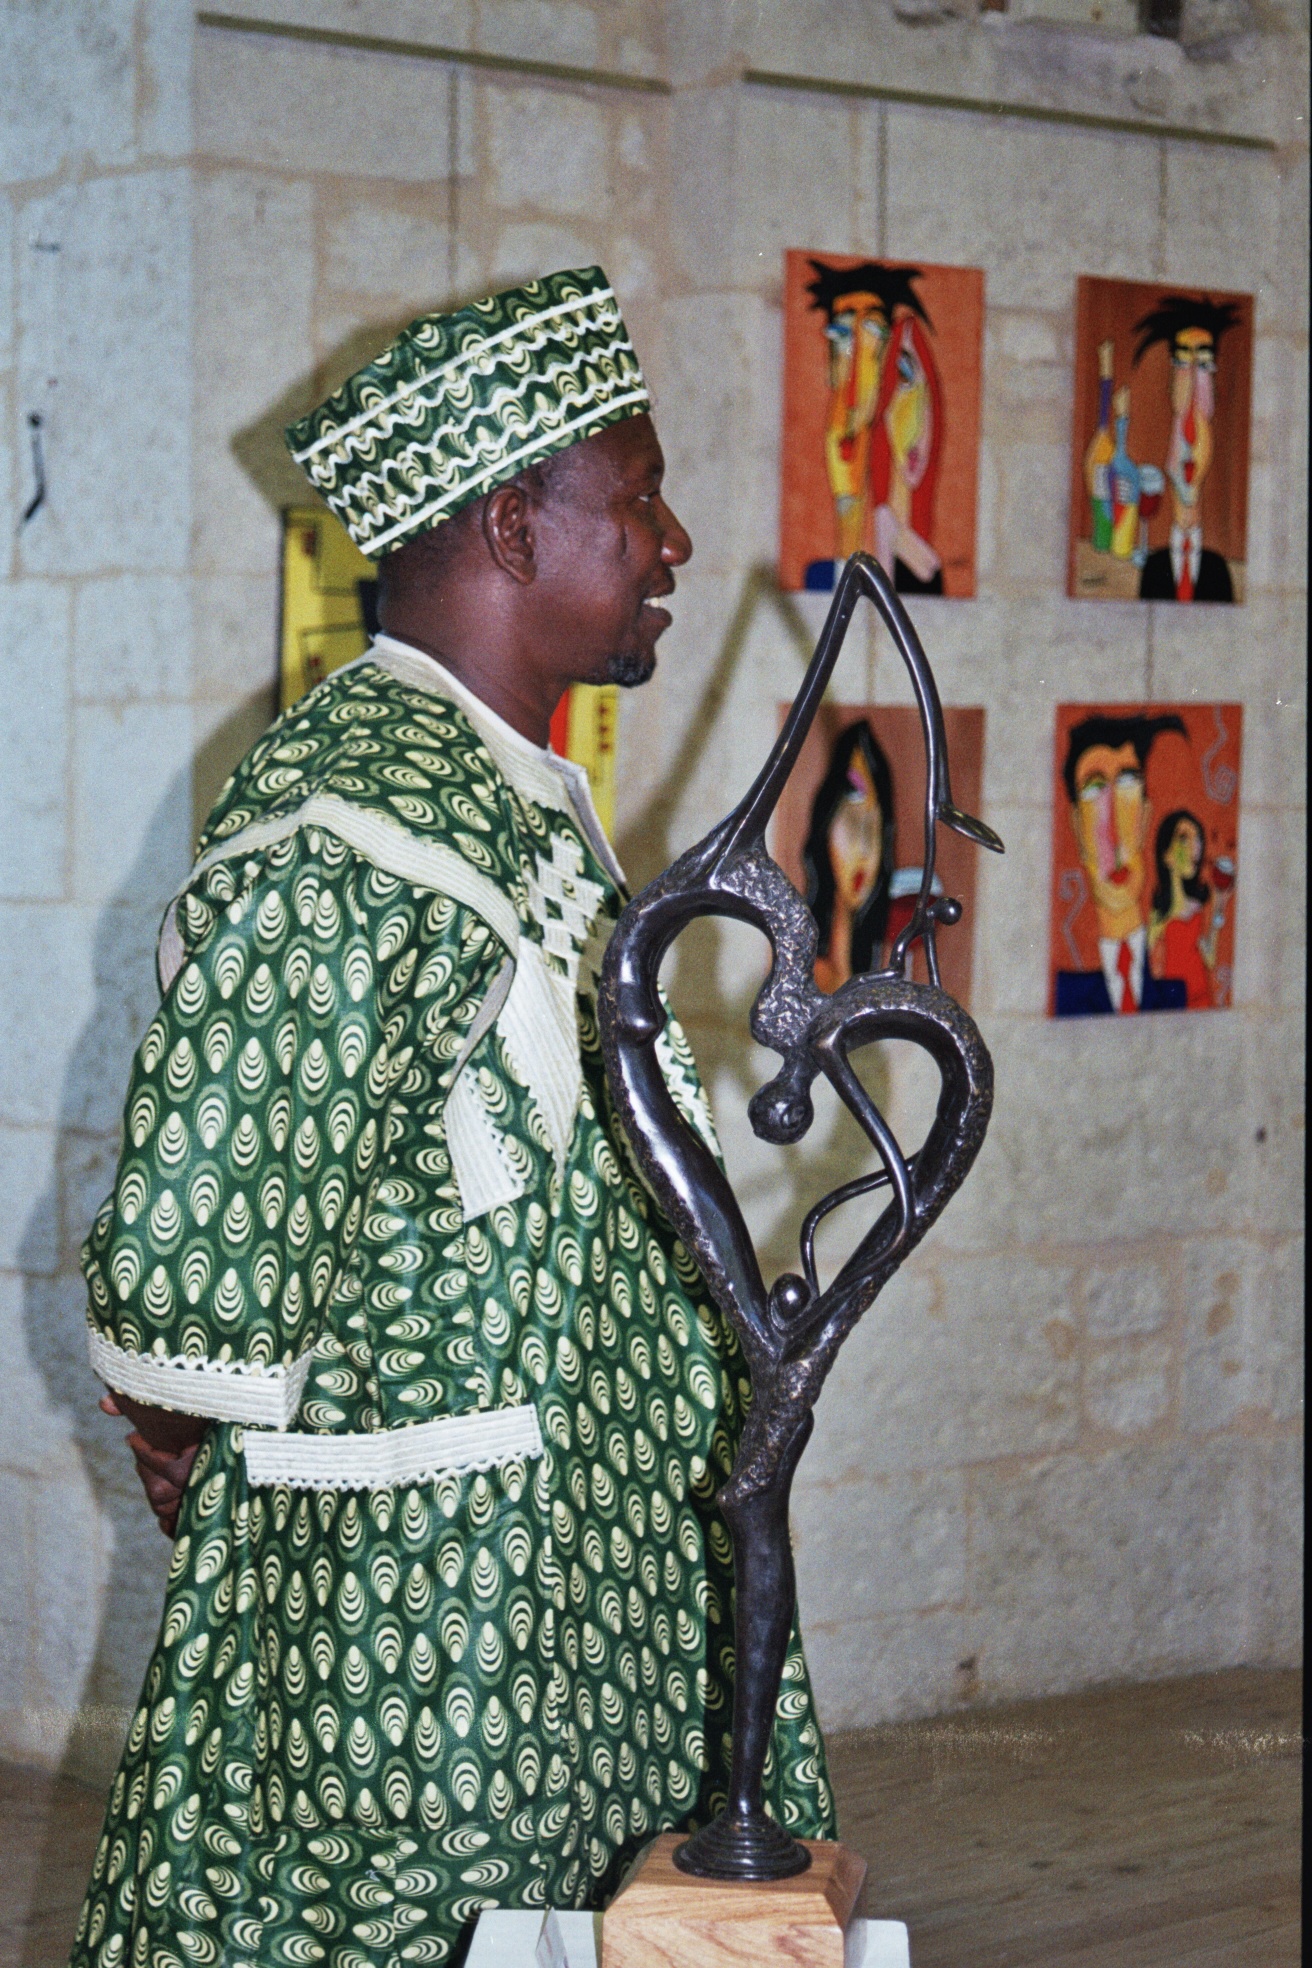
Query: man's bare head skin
{"points": [[551, 580]]}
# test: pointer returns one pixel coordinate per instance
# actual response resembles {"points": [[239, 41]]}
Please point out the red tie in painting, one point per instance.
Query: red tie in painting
{"points": [[1125, 965]]}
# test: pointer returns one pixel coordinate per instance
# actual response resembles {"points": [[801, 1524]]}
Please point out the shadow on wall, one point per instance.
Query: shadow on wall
{"points": [[717, 1018], [82, 1694], [108, 1569], [261, 449]]}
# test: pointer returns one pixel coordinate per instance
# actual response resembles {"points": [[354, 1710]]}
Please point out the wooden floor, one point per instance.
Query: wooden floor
{"points": [[1150, 1827], [1133, 1828]]}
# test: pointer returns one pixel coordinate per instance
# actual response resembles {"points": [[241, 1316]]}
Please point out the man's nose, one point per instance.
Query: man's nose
{"points": [[676, 546]]}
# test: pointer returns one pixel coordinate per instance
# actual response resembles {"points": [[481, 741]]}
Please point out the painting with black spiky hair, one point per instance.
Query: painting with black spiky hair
{"points": [[1159, 464], [882, 364]]}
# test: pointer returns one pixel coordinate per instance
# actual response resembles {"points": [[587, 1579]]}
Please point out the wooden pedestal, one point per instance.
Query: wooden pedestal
{"points": [[666, 1919]]}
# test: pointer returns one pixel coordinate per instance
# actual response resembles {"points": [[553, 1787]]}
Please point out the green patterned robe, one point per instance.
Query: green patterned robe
{"points": [[449, 1618]]}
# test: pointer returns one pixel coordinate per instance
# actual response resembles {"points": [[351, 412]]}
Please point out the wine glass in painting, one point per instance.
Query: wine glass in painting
{"points": [[1223, 881], [1152, 484]]}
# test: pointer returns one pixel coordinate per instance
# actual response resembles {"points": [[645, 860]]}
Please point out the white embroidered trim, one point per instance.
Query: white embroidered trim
{"points": [[451, 1445], [563, 902], [220, 1390], [593, 953], [476, 1147], [539, 1027], [428, 864]]}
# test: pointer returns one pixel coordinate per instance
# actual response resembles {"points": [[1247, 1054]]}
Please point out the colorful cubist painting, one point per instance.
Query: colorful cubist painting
{"points": [[849, 834], [1159, 463], [882, 366], [1145, 857]]}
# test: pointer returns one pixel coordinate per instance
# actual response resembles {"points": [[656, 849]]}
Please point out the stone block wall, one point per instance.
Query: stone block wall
{"points": [[1066, 1445], [96, 743]]}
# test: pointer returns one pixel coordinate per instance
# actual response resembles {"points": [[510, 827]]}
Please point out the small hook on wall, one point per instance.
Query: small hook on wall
{"points": [[38, 498]]}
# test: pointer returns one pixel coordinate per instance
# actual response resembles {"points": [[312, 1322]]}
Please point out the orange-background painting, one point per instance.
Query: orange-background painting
{"points": [[953, 298], [897, 727], [1192, 772], [1106, 310]]}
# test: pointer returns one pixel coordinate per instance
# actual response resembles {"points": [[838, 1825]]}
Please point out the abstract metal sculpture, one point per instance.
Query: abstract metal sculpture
{"points": [[791, 1333]]}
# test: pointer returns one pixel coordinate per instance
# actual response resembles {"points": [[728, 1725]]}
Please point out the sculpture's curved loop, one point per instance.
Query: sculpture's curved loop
{"points": [[791, 1334]]}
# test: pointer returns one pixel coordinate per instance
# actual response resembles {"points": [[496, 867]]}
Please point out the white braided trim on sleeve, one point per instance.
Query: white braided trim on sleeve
{"points": [[219, 1390], [425, 863], [539, 1027], [476, 1145], [451, 1445]]}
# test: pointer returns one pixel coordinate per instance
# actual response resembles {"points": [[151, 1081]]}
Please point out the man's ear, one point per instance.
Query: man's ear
{"points": [[508, 526]]}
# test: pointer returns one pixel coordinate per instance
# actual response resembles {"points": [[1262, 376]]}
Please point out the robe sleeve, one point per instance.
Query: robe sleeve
{"points": [[259, 1113]]}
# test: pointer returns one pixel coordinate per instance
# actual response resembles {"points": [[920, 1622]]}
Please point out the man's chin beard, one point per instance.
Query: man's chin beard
{"points": [[630, 668]]}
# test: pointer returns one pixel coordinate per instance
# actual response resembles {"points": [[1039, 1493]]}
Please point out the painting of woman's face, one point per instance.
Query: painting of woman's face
{"points": [[856, 836], [1186, 850]]}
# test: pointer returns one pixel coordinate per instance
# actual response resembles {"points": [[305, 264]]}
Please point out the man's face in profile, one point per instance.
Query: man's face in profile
{"points": [[607, 546], [1110, 818]]}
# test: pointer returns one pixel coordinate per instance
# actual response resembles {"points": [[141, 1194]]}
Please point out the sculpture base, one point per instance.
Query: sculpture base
{"points": [[665, 1918]]}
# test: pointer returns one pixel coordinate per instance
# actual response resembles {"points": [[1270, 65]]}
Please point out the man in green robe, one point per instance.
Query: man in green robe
{"points": [[432, 1397]]}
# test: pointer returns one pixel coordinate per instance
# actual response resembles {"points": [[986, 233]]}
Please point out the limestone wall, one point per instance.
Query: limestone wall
{"points": [[1065, 1446], [96, 744]]}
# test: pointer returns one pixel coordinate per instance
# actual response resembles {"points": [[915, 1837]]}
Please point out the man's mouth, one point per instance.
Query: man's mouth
{"points": [[1120, 876], [653, 607]]}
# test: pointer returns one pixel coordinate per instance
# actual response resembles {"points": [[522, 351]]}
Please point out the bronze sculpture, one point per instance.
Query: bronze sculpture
{"points": [[791, 1333]]}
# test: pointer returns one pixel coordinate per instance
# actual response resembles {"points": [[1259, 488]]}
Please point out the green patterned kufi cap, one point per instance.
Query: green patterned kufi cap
{"points": [[462, 402]]}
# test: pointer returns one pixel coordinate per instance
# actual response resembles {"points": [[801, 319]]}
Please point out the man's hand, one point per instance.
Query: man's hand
{"points": [[163, 1447]]}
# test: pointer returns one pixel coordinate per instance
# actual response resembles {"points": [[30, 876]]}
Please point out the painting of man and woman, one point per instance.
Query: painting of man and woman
{"points": [[1145, 858]]}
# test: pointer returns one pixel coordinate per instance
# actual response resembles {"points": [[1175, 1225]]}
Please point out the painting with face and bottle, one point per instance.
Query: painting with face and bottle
{"points": [[882, 366], [1159, 465], [1145, 858], [848, 830]]}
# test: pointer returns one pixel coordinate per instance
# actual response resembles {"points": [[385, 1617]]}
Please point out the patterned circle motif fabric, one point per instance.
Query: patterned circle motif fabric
{"points": [[372, 1712], [462, 402]]}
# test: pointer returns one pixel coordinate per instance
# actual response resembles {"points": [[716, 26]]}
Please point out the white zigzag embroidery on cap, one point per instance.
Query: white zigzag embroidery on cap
{"points": [[468, 485], [606, 317], [367, 431]]}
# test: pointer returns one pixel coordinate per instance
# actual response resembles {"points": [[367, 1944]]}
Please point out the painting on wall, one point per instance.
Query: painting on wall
{"points": [[330, 616], [1159, 463], [1145, 858], [849, 831], [882, 369], [329, 591]]}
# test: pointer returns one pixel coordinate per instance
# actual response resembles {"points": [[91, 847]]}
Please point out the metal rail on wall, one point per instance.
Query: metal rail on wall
{"points": [[761, 78], [766, 78], [384, 44]]}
